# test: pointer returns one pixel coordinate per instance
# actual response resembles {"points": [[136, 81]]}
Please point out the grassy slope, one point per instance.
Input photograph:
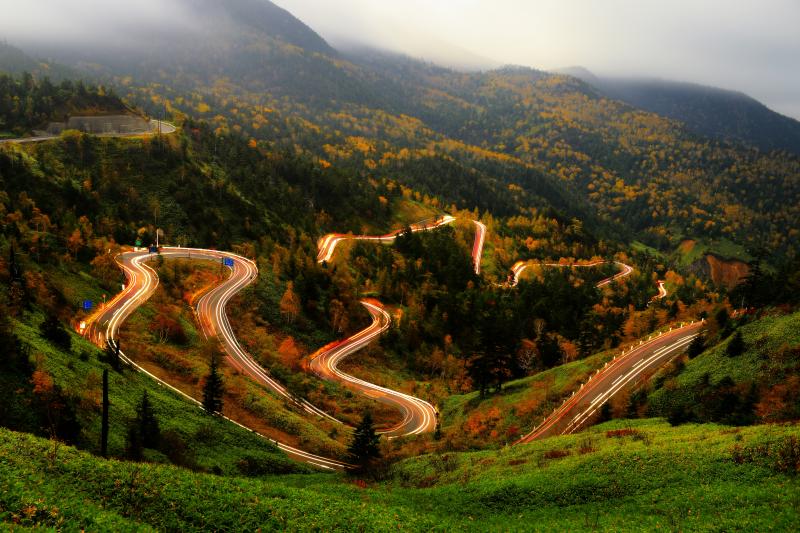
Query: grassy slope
{"points": [[643, 248], [78, 491], [408, 211], [185, 367], [659, 477], [688, 254], [763, 339], [656, 477], [212, 442], [522, 403]]}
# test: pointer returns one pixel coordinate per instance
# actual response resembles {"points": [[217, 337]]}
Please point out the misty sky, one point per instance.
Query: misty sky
{"points": [[747, 45]]}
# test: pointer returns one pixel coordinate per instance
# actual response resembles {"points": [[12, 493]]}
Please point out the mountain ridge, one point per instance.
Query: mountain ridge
{"points": [[706, 110], [537, 138]]}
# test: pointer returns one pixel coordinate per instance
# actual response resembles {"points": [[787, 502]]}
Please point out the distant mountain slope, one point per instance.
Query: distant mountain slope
{"points": [[505, 140], [265, 17], [15, 61], [705, 110]]}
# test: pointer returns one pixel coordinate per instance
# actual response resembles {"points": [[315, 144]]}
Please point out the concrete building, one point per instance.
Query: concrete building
{"points": [[101, 124]]}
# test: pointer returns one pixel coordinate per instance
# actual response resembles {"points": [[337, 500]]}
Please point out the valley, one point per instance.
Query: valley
{"points": [[250, 280]]}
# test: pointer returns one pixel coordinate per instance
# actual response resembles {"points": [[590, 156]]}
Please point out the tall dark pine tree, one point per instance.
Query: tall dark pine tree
{"points": [[736, 345], [147, 422], [364, 445], [480, 371], [144, 430], [752, 291], [500, 338], [696, 347], [213, 388]]}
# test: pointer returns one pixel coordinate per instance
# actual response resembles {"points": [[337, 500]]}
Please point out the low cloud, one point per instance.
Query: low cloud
{"points": [[734, 44], [743, 45], [91, 22]]}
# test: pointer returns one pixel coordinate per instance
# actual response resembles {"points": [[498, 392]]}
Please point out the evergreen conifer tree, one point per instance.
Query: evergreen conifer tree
{"points": [[696, 347], [736, 345], [364, 445], [213, 388]]}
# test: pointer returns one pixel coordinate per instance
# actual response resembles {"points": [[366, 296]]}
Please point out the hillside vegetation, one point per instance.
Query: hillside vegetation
{"points": [[522, 137], [472, 420], [282, 140], [58, 394], [709, 111], [619, 476], [26, 104], [70, 204], [502, 140], [165, 337], [758, 383]]}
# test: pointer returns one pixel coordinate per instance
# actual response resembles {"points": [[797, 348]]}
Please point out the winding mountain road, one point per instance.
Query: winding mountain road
{"points": [[419, 416], [156, 127], [520, 266], [142, 281], [327, 244], [618, 375], [477, 247]]}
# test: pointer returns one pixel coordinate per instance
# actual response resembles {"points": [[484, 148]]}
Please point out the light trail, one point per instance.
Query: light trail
{"points": [[143, 281], [477, 247], [617, 375], [327, 244], [419, 416], [520, 266]]}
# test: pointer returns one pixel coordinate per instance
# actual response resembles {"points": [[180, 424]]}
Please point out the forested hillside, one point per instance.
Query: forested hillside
{"points": [[357, 291], [501, 140], [709, 111], [70, 204], [284, 140], [544, 138]]}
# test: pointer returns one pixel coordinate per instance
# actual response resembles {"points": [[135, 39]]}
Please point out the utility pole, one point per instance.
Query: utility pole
{"points": [[104, 426], [113, 347], [156, 212]]}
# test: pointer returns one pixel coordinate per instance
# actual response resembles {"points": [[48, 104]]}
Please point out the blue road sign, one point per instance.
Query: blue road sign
{"points": [[86, 304], [227, 261], [153, 249]]}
